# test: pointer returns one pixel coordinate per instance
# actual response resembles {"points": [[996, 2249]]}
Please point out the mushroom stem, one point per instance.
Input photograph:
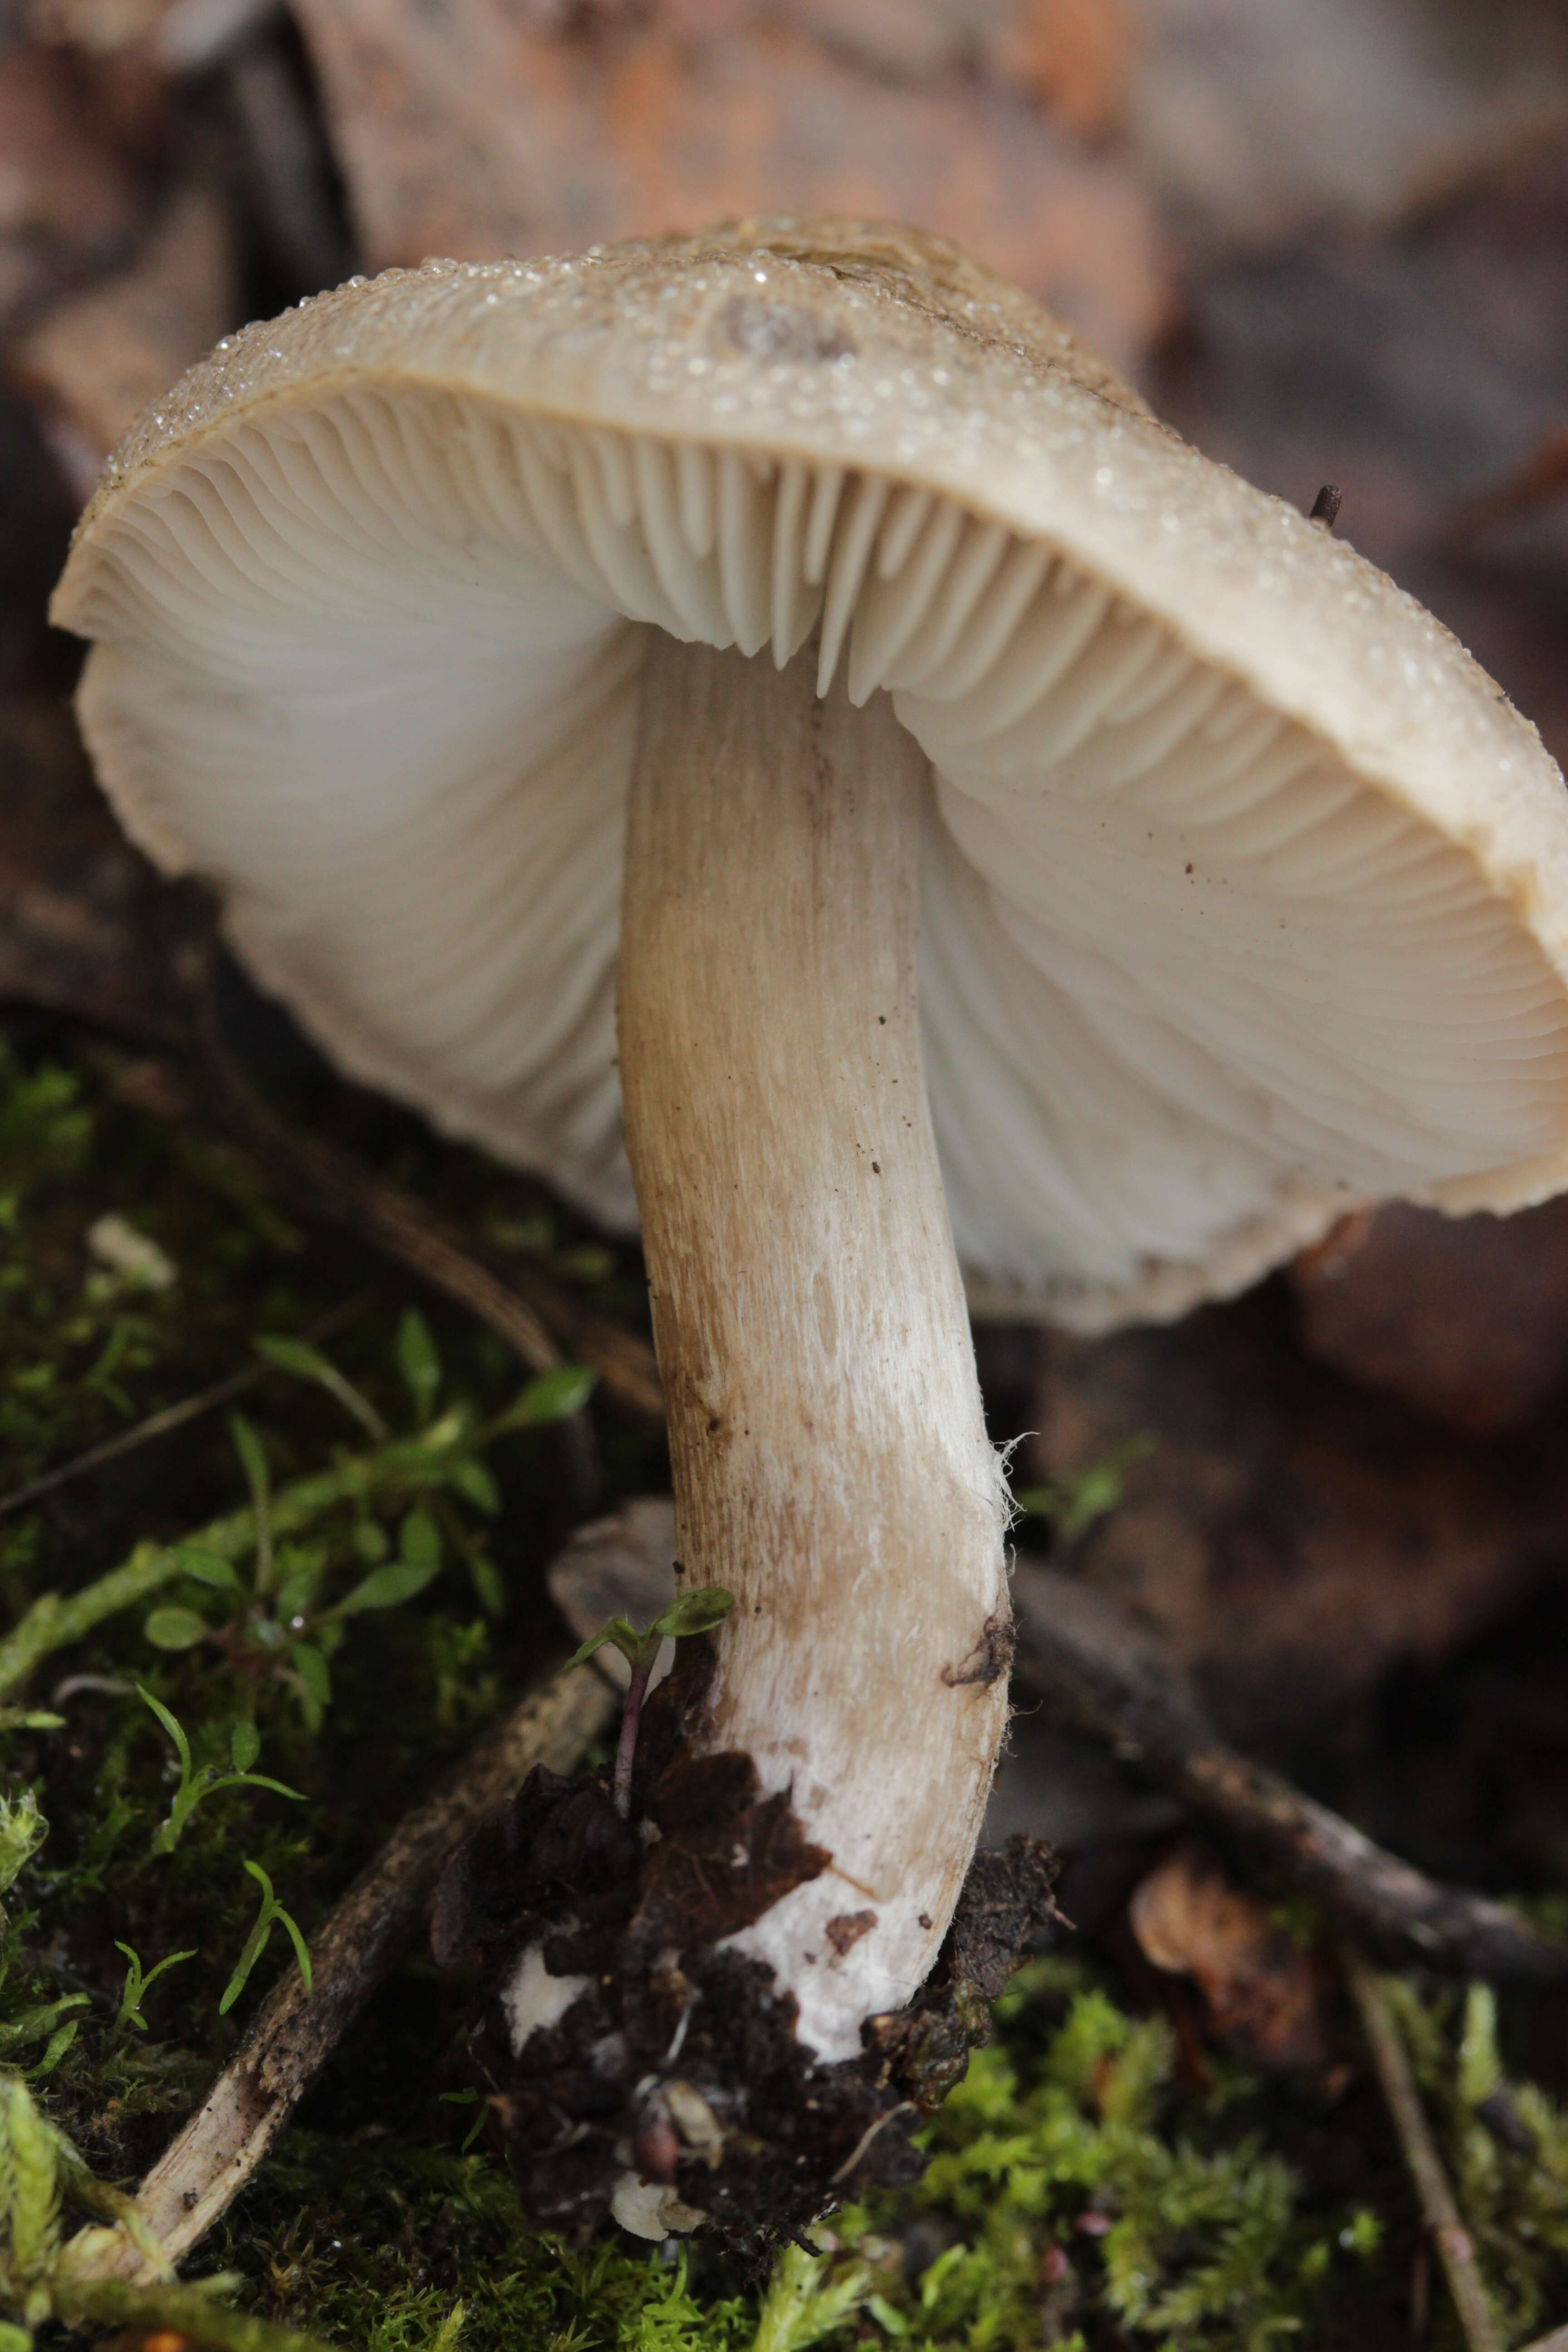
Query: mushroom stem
{"points": [[828, 1448]]}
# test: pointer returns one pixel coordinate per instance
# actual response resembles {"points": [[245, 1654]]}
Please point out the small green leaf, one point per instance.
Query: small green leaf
{"points": [[252, 1455], [1364, 2235], [301, 1949], [54, 2051], [312, 1670], [296, 1593], [370, 1542], [34, 2023], [244, 1746], [295, 1356], [176, 1629], [384, 1588], [255, 1942], [255, 1945], [136, 1984], [694, 1612], [171, 1724], [471, 1479], [626, 1639], [253, 1780], [207, 1568], [253, 1460], [419, 1542], [307, 1363], [554, 1396], [489, 1590], [587, 1262], [420, 1560], [419, 1362], [1078, 1502], [172, 1961]]}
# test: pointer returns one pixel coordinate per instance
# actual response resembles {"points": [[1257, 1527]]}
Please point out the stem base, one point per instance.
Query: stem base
{"points": [[666, 2085]]}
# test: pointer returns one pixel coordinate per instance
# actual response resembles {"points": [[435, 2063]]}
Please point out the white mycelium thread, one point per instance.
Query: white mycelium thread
{"points": [[1187, 984]]}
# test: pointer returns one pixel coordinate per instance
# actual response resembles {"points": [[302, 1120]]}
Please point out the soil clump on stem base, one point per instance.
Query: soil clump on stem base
{"points": [[638, 2070]]}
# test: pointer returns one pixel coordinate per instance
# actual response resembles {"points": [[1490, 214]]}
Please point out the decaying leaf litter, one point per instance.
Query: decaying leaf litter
{"points": [[1348, 1525]]}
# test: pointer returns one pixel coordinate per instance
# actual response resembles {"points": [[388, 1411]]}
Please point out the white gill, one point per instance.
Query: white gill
{"points": [[434, 593]]}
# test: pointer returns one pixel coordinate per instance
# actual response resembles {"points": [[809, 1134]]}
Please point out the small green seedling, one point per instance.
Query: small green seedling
{"points": [[137, 1984], [271, 1914], [279, 1616], [194, 1785], [1076, 1503], [693, 1613]]}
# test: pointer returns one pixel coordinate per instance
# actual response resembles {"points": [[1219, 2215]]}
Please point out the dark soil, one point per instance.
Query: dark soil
{"points": [[680, 2063]]}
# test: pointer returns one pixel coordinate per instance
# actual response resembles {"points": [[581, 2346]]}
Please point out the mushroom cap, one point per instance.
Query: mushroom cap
{"points": [[1244, 890]]}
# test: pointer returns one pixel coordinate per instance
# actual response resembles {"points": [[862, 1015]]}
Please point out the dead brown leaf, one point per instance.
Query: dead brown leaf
{"points": [[97, 359], [1259, 1989], [68, 204], [1466, 1318], [1258, 119], [1291, 1536], [1074, 57], [463, 132]]}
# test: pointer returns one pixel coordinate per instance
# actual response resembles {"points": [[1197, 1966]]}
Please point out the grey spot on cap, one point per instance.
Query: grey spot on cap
{"points": [[781, 331]]}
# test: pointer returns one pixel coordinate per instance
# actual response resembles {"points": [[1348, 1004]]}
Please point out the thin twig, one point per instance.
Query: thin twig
{"points": [[1454, 2249], [323, 1178], [173, 1416], [1101, 1673], [295, 2033]]}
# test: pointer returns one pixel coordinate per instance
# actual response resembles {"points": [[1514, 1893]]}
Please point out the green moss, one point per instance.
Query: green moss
{"points": [[1086, 2189], [1505, 2147], [379, 2251]]}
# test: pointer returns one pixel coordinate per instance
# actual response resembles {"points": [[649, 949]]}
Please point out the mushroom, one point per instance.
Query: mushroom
{"points": [[684, 620]]}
